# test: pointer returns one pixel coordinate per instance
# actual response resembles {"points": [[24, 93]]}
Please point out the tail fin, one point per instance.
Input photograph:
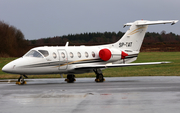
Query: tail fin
{"points": [[133, 38]]}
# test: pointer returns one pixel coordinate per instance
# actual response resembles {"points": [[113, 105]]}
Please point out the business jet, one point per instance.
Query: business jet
{"points": [[73, 60]]}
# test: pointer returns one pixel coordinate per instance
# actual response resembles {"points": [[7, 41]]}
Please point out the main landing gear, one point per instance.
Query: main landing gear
{"points": [[99, 75], [98, 72], [70, 78], [21, 80]]}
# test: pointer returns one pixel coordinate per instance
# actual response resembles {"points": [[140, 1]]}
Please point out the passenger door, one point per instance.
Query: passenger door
{"points": [[63, 58]]}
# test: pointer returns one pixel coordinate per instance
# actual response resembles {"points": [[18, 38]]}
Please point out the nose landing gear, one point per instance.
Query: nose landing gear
{"points": [[21, 80]]}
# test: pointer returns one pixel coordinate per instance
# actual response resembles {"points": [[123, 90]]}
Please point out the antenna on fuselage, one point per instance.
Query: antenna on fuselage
{"points": [[67, 43]]}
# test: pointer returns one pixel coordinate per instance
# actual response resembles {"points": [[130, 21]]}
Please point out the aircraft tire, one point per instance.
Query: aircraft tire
{"points": [[99, 78], [21, 81], [70, 78]]}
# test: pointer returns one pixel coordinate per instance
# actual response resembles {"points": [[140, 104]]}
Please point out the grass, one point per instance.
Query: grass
{"points": [[172, 69]]}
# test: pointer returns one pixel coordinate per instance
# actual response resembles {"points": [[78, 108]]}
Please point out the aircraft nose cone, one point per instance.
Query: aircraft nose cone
{"points": [[8, 68], [14, 67], [4, 69]]}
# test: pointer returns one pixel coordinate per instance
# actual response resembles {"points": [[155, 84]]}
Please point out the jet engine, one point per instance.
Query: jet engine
{"points": [[112, 54], [105, 54]]}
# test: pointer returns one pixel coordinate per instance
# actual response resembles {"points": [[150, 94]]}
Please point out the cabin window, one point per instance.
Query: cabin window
{"points": [[79, 54], [71, 55], [44, 52], [62, 55], [86, 54], [34, 53], [93, 54], [54, 55]]}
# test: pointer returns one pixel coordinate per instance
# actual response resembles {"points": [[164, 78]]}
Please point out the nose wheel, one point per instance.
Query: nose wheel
{"points": [[21, 80]]}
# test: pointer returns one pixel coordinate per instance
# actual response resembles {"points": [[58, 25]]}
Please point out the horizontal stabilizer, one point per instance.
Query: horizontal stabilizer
{"points": [[117, 65], [146, 22]]}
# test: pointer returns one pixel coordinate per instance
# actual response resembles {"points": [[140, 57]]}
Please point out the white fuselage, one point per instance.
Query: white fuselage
{"points": [[63, 60]]}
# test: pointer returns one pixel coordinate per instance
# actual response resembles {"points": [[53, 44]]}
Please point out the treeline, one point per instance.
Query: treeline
{"points": [[12, 42], [153, 41], [161, 42], [79, 39]]}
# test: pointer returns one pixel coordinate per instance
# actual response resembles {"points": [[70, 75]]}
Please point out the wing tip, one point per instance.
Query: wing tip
{"points": [[166, 62]]}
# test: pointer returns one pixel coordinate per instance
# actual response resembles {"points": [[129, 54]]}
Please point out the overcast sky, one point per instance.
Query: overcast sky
{"points": [[48, 18]]}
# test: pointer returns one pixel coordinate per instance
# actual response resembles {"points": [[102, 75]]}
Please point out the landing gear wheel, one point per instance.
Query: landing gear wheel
{"points": [[99, 75], [100, 78], [21, 81], [70, 78]]}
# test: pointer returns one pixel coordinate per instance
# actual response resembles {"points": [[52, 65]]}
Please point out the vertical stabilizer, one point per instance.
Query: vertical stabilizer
{"points": [[133, 38]]}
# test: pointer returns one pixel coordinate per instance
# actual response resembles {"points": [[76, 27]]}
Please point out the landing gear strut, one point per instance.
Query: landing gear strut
{"points": [[99, 75], [21, 80], [70, 78]]}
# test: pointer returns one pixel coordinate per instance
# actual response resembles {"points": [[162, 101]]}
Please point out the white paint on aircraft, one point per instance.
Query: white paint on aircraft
{"points": [[83, 59]]}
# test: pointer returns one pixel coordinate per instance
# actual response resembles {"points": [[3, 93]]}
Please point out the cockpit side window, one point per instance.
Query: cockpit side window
{"points": [[44, 52], [34, 53]]}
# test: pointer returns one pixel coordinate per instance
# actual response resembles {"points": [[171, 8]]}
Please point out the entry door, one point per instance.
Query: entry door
{"points": [[63, 58]]}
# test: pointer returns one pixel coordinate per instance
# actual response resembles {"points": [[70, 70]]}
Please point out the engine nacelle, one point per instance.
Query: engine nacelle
{"points": [[105, 54], [112, 54]]}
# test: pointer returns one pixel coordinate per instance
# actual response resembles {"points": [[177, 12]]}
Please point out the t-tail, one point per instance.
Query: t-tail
{"points": [[133, 38]]}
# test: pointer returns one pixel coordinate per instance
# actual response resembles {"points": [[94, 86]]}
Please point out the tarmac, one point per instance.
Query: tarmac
{"points": [[117, 94]]}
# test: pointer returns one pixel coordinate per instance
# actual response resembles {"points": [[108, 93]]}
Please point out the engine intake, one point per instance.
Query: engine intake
{"points": [[105, 54]]}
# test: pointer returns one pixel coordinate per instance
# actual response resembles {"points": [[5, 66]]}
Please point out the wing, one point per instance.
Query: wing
{"points": [[116, 65]]}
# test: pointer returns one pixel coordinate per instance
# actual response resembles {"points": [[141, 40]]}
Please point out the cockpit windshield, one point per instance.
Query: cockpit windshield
{"points": [[34, 53], [44, 52]]}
